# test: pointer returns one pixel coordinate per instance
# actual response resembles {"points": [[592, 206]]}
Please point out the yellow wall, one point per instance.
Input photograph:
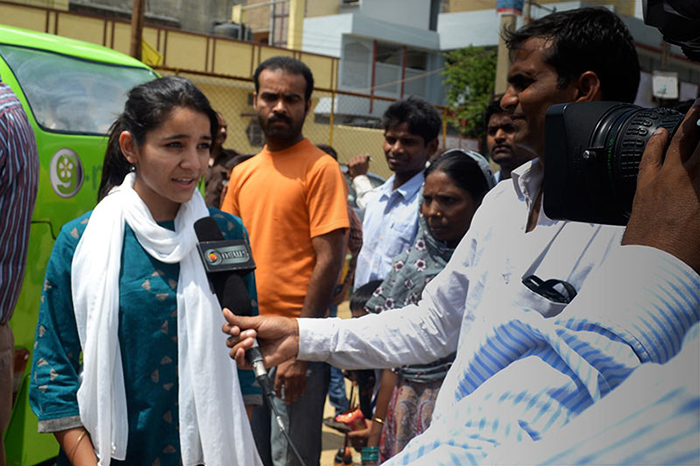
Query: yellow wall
{"points": [[225, 70], [321, 8], [22, 17], [81, 28], [231, 98], [55, 4], [181, 50]]}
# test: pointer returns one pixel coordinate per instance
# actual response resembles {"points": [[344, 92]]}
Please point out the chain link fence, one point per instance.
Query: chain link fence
{"points": [[349, 122]]}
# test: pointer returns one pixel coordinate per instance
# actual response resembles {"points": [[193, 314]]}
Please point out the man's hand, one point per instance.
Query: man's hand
{"points": [[290, 381], [278, 338], [358, 165], [666, 208]]}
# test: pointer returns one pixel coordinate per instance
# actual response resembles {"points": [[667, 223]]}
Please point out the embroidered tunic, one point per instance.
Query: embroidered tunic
{"points": [[147, 339]]}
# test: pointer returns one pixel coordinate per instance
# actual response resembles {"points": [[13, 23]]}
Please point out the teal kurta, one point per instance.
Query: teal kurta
{"points": [[147, 339]]}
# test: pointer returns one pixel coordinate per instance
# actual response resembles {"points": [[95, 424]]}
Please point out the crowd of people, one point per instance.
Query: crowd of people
{"points": [[546, 317], [482, 329]]}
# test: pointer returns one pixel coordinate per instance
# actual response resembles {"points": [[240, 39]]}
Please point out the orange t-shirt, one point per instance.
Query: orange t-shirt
{"points": [[285, 198]]}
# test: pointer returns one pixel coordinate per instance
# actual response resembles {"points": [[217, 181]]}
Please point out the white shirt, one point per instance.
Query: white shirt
{"points": [[518, 376], [363, 186], [389, 227], [497, 176], [524, 378], [483, 276]]}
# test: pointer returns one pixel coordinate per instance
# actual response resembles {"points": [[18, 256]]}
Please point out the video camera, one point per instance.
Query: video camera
{"points": [[593, 149]]}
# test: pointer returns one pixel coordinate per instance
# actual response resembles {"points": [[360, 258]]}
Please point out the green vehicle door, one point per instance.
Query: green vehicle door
{"points": [[72, 91]]}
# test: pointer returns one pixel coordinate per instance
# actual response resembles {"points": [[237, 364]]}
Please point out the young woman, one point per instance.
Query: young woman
{"points": [[129, 362], [455, 184]]}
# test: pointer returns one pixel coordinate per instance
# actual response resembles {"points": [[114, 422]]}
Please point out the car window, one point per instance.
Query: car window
{"points": [[70, 95]]}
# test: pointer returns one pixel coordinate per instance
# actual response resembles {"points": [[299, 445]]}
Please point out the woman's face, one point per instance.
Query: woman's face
{"points": [[447, 208], [171, 161]]}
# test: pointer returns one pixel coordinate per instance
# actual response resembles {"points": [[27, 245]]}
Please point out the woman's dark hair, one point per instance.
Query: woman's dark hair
{"points": [[147, 106], [464, 171]]}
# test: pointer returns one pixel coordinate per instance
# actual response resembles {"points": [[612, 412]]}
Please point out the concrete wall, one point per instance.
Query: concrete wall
{"points": [[316, 8], [375, 28], [324, 34], [478, 28], [412, 13], [623, 7], [194, 16]]}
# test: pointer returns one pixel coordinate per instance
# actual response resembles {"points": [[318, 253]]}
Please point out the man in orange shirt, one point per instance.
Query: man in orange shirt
{"points": [[291, 198]]}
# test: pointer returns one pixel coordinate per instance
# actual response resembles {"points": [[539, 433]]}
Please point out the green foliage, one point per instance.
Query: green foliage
{"points": [[470, 73]]}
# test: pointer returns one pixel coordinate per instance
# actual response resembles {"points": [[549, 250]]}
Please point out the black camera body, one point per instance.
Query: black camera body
{"points": [[592, 155], [593, 149]]}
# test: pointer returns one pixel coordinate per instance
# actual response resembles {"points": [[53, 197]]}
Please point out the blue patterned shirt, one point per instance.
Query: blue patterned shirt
{"points": [[652, 418], [389, 227], [19, 177], [526, 377]]}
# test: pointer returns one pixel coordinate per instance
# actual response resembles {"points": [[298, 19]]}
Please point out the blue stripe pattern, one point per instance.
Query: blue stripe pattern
{"points": [[529, 376], [19, 177]]}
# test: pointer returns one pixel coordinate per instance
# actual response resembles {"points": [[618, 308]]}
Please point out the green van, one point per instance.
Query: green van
{"points": [[72, 91]]}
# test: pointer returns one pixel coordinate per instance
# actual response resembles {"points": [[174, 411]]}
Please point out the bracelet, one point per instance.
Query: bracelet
{"points": [[378, 420], [75, 445]]}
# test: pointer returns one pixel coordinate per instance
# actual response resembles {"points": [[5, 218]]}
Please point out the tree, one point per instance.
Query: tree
{"points": [[470, 74]]}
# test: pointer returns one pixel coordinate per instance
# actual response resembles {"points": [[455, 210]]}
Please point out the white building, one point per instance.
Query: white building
{"points": [[394, 48]]}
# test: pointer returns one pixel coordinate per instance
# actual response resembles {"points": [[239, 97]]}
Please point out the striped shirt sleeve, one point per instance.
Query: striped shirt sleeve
{"points": [[19, 177], [525, 377]]}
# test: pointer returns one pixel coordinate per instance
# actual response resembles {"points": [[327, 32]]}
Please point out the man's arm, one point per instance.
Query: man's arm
{"points": [[413, 335], [328, 249], [358, 166]]}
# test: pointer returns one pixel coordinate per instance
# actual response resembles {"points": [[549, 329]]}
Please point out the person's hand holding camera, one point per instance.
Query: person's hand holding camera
{"points": [[666, 208]]}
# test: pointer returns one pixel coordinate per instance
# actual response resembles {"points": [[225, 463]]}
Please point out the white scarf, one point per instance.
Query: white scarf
{"points": [[213, 426]]}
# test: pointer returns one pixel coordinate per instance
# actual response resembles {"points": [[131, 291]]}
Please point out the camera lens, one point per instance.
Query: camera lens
{"points": [[624, 133], [603, 142]]}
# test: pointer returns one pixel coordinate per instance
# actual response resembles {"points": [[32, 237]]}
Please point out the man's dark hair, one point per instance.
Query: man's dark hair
{"points": [[587, 39], [288, 65], [422, 118], [494, 108], [328, 150], [362, 294]]}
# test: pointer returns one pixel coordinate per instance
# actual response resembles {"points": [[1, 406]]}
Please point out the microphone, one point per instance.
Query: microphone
{"points": [[225, 262]]}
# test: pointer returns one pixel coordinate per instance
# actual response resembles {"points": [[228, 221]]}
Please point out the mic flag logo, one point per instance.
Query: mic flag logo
{"points": [[234, 254], [223, 256]]}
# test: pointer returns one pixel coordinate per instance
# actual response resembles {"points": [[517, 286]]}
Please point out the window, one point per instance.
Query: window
{"points": [[356, 64], [71, 95]]}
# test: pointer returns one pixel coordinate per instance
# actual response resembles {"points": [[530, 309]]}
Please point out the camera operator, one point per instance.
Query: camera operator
{"points": [[527, 361], [652, 417]]}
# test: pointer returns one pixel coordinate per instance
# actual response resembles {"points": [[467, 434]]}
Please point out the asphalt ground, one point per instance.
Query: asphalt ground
{"points": [[332, 440]]}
